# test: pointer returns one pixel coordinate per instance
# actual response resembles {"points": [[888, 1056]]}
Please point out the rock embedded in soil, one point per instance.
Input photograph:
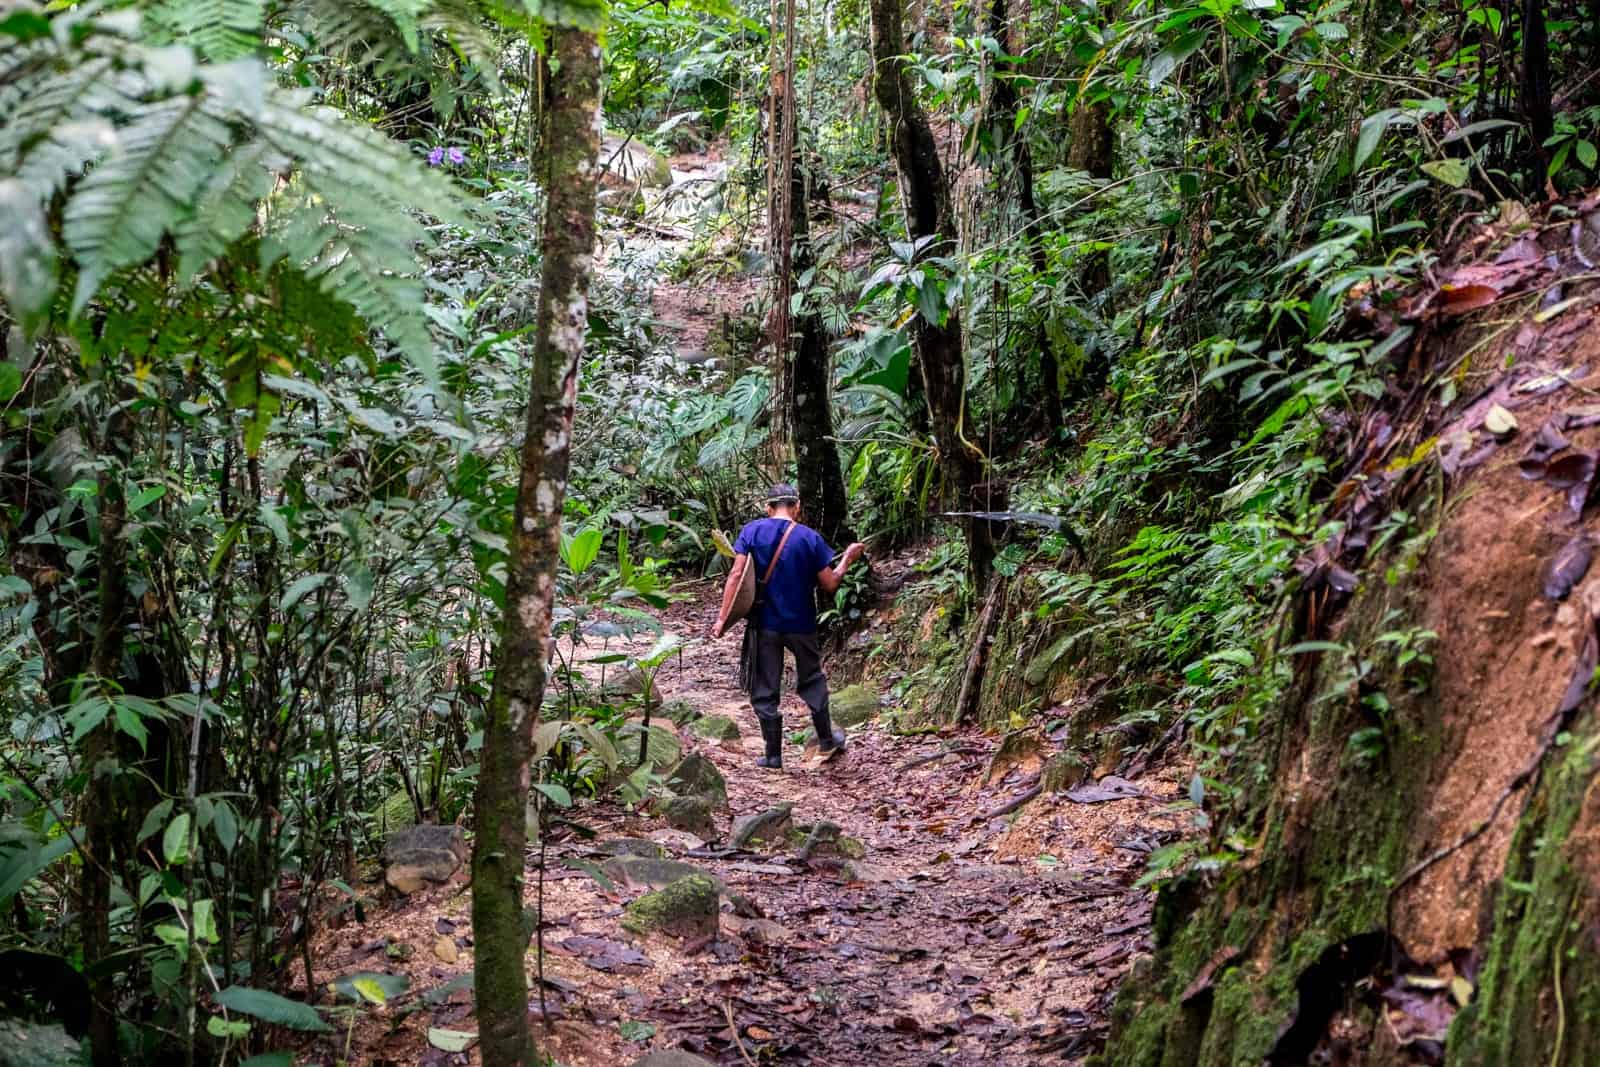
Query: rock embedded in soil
{"points": [[853, 706], [421, 855], [671, 1057], [680, 713], [24, 1044], [716, 728], [687, 908], [1020, 748], [697, 776], [766, 826], [630, 846], [692, 814], [1064, 771], [825, 838], [643, 871], [664, 749]]}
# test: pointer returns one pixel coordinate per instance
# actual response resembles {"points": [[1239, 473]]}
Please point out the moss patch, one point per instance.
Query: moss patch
{"points": [[687, 908]]}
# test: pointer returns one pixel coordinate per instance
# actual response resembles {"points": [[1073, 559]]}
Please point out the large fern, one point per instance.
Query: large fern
{"points": [[149, 143]]}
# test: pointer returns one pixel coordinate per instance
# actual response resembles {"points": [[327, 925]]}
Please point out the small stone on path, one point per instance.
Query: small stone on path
{"points": [[697, 776], [445, 948], [421, 855], [716, 728], [672, 1057], [769, 825], [689, 813]]}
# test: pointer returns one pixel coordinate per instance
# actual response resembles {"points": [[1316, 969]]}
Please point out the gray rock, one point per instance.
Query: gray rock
{"points": [[769, 825], [671, 1057], [24, 1044], [687, 908], [421, 855], [1065, 771], [680, 712], [697, 776], [853, 706], [651, 872], [664, 749], [716, 728], [689, 813], [630, 846]]}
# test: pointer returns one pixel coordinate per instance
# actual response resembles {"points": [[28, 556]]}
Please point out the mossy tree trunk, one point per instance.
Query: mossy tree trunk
{"points": [[572, 137], [925, 198]]}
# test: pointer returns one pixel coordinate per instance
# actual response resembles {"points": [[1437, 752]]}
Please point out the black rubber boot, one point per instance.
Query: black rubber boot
{"points": [[772, 734], [829, 738]]}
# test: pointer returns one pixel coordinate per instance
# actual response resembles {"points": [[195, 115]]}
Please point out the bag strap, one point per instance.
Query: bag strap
{"points": [[767, 577]]}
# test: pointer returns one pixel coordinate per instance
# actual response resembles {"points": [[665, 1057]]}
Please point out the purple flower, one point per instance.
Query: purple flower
{"points": [[457, 156], [436, 157]]}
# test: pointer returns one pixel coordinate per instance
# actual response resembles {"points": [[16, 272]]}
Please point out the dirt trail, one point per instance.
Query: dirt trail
{"points": [[957, 938]]}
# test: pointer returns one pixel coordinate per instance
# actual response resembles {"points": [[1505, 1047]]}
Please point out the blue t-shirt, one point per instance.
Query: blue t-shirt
{"points": [[791, 603]]}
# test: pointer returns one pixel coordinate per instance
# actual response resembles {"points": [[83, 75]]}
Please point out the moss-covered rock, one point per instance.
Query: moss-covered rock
{"points": [[1064, 771], [680, 712], [687, 908], [697, 776], [664, 749], [824, 839], [24, 1044], [689, 813], [764, 827], [651, 872], [716, 728], [423, 855], [630, 846], [852, 706]]}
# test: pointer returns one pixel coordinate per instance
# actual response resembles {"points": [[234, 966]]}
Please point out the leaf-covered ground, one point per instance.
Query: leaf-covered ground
{"points": [[959, 935]]}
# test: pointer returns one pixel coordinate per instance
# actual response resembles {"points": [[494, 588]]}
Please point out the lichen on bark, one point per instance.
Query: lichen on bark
{"points": [[572, 142]]}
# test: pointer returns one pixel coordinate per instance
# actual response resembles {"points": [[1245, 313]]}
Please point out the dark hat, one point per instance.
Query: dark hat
{"points": [[783, 493]]}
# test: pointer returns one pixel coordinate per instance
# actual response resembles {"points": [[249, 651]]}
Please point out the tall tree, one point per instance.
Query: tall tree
{"points": [[925, 198], [800, 338], [572, 141]]}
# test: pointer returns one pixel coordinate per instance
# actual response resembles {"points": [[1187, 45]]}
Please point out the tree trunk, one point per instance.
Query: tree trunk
{"points": [[941, 362], [810, 413], [572, 139], [100, 762]]}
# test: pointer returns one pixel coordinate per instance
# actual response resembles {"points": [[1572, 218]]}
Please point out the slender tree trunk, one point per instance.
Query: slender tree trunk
{"points": [[101, 764], [572, 141], [810, 375], [941, 361]]}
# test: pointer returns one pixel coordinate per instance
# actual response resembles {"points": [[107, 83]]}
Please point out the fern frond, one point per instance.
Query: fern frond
{"points": [[220, 30], [461, 23], [51, 101], [144, 187], [358, 32], [225, 207], [352, 162]]}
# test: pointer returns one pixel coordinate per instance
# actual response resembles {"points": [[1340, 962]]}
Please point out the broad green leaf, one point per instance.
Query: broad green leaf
{"points": [[1372, 128], [25, 864], [270, 1059], [10, 382], [359, 585], [1305, 647], [584, 549], [273, 519], [371, 987], [145, 497], [155, 818], [1452, 172], [450, 1040], [557, 794], [270, 1007], [130, 723], [175, 842], [298, 590], [225, 824], [1164, 62]]}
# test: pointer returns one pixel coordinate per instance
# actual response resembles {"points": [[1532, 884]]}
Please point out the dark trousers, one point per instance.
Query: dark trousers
{"points": [[767, 673]]}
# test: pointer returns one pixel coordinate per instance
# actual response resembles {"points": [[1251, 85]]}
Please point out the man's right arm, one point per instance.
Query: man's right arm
{"points": [[730, 592]]}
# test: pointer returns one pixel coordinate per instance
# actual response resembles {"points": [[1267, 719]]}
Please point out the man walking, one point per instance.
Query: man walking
{"points": [[791, 563]]}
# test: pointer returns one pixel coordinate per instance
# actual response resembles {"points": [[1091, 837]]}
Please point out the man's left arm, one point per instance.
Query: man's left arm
{"points": [[829, 578]]}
